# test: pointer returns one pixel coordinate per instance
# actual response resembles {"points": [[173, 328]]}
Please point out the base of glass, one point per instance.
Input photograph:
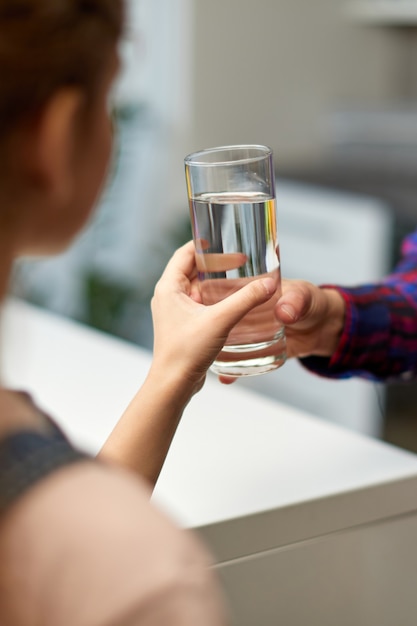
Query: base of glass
{"points": [[251, 362]]}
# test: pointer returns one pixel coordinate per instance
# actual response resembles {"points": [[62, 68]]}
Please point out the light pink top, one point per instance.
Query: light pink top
{"points": [[85, 547]]}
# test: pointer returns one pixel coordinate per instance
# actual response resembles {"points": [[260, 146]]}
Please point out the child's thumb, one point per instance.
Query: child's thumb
{"points": [[237, 305]]}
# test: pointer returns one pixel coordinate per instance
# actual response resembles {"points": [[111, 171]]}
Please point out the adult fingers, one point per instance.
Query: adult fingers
{"points": [[227, 380], [214, 262]]}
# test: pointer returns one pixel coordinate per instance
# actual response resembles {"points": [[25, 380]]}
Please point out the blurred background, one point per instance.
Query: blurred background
{"points": [[331, 86]]}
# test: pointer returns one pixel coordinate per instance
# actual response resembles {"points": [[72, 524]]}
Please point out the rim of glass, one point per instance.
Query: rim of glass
{"points": [[193, 158]]}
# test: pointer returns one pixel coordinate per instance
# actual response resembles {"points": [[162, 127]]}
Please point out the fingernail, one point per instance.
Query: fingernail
{"points": [[270, 285], [289, 310]]}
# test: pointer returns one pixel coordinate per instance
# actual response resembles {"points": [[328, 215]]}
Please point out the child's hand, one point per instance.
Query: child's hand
{"points": [[188, 335]]}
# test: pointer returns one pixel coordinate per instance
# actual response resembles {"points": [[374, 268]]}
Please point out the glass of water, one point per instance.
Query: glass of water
{"points": [[231, 192]]}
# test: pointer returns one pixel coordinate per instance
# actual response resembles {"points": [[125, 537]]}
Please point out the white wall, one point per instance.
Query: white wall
{"points": [[267, 71]]}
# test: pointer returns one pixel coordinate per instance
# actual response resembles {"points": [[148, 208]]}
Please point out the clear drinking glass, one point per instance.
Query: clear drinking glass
{"points": [[231, 192]]}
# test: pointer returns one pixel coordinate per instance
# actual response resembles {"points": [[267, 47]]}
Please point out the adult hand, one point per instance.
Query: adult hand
{"points": [[313, 317]]}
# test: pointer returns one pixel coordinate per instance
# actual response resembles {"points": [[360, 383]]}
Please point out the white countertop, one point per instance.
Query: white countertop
{"points": [[236, 453]]}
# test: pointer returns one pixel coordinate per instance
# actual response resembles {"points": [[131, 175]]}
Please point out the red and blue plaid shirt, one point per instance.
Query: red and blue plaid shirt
{"points": [[379, 340]]}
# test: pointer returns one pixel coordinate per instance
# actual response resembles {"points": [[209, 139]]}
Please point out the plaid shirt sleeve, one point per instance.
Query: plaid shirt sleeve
{"points": [[379, 340]]}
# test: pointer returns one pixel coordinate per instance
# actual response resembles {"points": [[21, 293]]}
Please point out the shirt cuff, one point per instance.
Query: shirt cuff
{"points": [[338, 365]]}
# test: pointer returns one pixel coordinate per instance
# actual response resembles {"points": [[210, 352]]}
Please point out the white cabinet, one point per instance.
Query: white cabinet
{"points": [[362, 575], [309, 523]]}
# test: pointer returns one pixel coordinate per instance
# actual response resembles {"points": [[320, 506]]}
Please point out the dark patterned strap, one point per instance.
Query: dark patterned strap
{"points": [[28, 456]]}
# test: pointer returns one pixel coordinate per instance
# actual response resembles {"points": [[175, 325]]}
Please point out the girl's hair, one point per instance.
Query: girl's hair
{"points": [[49, 44]]}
